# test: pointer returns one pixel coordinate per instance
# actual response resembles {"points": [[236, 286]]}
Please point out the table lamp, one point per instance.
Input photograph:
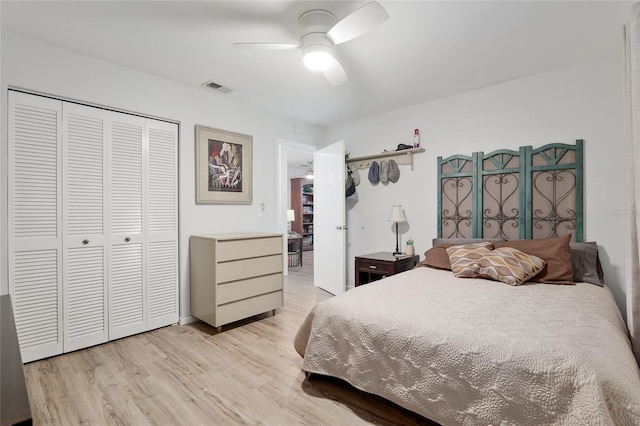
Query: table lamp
{"points": [[291, 217], [397, 216]]}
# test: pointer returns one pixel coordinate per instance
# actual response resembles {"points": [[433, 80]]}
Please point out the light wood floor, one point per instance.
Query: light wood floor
{"points": [[192, 375]]}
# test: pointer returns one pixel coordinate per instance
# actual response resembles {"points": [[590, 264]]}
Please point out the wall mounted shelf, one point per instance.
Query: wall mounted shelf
{"points": [[404, 156]]}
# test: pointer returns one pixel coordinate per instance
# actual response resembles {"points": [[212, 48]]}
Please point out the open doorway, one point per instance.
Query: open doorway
{"points": [[296, 207]]}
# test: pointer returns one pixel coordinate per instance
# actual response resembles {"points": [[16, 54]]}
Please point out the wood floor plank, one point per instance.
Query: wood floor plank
{"points": [[249, 374]]}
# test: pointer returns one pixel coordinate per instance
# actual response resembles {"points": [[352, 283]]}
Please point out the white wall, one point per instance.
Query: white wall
{"points": [[48, 69], [582, 102]]}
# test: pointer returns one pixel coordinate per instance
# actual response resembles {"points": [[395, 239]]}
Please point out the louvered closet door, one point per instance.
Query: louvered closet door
{"points": [[84, 227], [162, 223], [35, 223], [127, 293]]}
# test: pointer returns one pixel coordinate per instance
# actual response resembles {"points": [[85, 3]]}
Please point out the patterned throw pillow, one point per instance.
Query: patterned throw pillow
{"points": [[505, 264], [465, 255]]}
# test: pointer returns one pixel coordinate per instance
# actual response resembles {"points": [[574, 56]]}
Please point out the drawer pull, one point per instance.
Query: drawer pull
{"points": [[85, 242], [126, 240], [373, 267]]}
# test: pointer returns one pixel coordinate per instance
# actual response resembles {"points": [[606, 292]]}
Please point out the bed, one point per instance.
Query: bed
{"points": [[506, 321], [476, 351]]}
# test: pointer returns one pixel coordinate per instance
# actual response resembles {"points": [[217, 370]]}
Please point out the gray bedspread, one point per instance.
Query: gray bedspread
{"points": [[479, 352]]}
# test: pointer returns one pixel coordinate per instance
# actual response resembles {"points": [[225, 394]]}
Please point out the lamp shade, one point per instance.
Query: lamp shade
{"points": [[291, 216], [397, 215]]}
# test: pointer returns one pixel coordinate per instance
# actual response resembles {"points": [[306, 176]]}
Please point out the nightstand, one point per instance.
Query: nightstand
{"points": [[375, 266]]}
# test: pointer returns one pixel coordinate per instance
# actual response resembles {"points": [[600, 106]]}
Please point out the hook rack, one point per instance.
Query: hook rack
{"points": [[404, 156]]}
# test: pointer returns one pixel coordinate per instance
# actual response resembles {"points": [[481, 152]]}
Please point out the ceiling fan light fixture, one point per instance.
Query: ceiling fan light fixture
{"points": [[318, 57], [320, 32], [309, 173]]}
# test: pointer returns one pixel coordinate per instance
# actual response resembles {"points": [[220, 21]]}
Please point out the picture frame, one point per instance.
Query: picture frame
{"points": [[223, 166]]}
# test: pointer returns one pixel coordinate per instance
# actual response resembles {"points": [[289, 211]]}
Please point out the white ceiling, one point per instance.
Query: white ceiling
{"points": [[426, 50]]}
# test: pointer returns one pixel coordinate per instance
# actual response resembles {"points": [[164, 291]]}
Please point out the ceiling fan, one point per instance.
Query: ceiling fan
{"points": [[321, 32]]}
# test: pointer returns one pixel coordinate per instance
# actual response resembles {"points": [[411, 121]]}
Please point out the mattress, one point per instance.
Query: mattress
{"points": [[474, 351]]}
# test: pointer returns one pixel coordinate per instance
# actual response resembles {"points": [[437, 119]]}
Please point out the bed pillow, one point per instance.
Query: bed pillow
{"points": [[556, 253], [505, 264], [586, 265], [437, 257], [464, 255]]}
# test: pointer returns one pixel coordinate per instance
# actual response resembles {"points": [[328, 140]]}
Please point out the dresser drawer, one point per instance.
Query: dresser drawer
{"points": [[373, 266], [248, 307], [248, 268], [242, 249], [243, 289]]}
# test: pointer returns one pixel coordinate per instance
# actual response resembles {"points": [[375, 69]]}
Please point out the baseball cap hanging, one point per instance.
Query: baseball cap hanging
{"points": [[384, 172], [350, 187], [374, 173], [353, 171], [394, 171]]}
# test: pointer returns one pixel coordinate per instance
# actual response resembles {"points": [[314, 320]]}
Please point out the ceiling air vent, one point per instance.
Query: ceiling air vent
{"points": [[217, 87]]}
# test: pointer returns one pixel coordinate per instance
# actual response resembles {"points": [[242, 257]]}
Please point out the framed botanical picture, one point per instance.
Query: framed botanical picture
{"points": [[223, 166]]}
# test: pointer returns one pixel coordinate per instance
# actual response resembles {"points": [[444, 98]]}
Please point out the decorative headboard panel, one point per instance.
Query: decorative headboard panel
{"points": [[529, 193]]}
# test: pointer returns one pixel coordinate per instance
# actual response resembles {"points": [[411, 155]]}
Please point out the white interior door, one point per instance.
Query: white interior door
{"points": [[35, 223], [162, 223], [127, 291], [84, 264], [329, 218]]}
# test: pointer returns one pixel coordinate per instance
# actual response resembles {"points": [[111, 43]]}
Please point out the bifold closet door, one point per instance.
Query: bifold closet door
{"points": [[84, 226], [127, 290], [93, 224], [35, 223], [162, 223]]}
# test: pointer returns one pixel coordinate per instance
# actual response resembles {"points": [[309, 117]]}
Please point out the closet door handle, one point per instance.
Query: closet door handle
{"points": [[85, 242], [126, 240]]}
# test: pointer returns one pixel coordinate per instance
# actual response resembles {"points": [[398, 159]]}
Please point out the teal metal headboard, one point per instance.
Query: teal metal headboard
{"points": [[529, 193]]}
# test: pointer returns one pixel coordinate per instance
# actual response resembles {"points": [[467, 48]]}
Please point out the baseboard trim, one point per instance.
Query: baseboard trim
{"points": [[188, 320]]}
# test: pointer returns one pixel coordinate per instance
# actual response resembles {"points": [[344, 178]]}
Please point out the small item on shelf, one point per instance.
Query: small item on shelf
{"points": [[410, 249], [416, 139], [293, 259]]}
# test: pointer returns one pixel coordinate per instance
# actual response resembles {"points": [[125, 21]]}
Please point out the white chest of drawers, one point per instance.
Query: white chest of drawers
{"points": [[235, 276]]}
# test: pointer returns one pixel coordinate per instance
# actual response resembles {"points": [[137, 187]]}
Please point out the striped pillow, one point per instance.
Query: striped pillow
{"points": [[504, 264]]}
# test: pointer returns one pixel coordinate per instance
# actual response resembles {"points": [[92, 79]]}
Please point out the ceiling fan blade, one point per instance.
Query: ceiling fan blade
{"points": [[335, 74], [266, 46], [357, 23]]}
